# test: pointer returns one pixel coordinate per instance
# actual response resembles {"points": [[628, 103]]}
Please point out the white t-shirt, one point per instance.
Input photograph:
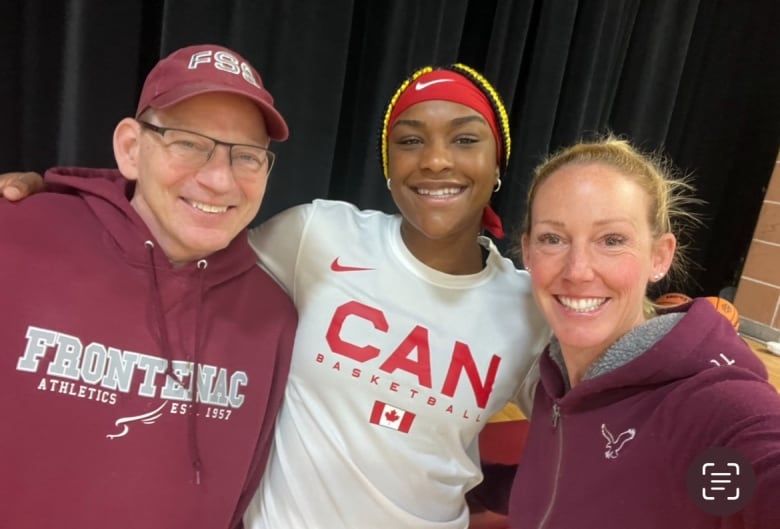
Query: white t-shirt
{"points": [[396, 368]]}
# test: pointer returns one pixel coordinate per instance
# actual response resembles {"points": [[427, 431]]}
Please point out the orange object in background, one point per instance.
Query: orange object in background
{"points": [[670, 299], [727, 309], [722, 305]]}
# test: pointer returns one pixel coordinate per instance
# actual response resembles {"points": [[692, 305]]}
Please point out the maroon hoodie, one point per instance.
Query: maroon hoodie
{"points": [[614, 452], [135, 394]]}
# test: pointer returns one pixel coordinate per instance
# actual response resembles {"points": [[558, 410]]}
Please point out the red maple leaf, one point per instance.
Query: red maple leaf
{"points": [[392, 416]]}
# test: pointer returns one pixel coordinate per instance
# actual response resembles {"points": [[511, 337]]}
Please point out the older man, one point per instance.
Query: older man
{"points": [[144, 352]]}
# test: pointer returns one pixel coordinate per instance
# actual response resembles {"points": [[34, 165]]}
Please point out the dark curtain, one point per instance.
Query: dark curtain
{"points": [[697, 78]]}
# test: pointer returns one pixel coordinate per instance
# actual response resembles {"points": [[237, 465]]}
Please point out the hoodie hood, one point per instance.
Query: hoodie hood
{"points": [[639, 360]]}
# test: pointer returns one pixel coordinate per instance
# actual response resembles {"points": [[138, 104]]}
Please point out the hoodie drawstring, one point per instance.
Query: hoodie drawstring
{"points": [[192, 424], [195, 403]]}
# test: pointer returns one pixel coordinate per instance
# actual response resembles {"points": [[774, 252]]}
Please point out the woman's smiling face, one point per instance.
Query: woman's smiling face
{"points": [[442, 167], [592, 253]]}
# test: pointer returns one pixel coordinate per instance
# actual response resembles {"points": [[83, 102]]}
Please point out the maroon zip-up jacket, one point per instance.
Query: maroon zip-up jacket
{"points": [[614, 452]]}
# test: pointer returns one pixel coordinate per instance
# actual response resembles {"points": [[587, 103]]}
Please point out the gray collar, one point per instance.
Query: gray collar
{"points": [[628, 347]]}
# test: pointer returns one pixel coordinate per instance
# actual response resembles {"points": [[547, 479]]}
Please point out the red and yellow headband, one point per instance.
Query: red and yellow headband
{"points": [[457, 83], [446, 85], [460, 84]]}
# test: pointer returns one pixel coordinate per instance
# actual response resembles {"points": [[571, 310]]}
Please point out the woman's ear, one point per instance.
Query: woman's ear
{"points": [[127, 140], [663, 253]]}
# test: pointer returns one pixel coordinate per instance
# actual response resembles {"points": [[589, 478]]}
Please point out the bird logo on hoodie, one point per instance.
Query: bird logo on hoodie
{"points": [[614, 445]]}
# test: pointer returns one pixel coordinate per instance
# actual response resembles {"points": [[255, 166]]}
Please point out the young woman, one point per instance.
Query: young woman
{"points": [[637, 416], [413, 330]]}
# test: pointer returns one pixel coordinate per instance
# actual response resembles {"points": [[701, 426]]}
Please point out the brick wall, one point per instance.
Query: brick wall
{"points": [[758, 291]]}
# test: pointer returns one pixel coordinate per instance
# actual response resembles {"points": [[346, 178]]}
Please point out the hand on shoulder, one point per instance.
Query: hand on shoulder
{"points": [[18, 185]]}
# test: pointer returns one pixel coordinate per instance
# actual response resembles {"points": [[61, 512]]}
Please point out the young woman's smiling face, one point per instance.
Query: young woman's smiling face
{"points": [[442, 167], [591, 252]]}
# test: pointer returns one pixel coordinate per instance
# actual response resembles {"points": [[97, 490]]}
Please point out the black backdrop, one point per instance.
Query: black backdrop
{"points": [[698, 78]]}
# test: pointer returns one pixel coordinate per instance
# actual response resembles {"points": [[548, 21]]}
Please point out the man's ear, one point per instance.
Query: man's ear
{"points": [[127, 144]]}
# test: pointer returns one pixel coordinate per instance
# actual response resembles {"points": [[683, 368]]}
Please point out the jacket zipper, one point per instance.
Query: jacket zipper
{"points": [[558, 427]]}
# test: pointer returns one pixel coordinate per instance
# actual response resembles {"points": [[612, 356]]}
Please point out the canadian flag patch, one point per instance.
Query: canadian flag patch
{"points": [[391, 417]]}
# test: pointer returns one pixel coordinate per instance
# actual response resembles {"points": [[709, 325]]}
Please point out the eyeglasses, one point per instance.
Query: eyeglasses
{"points": [[192, 150]]}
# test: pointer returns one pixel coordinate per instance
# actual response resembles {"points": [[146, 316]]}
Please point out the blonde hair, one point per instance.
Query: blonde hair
{"points": [[670, 193]]}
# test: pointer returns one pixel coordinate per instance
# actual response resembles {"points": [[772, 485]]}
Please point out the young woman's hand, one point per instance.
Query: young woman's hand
{"points": [[17, 185]]}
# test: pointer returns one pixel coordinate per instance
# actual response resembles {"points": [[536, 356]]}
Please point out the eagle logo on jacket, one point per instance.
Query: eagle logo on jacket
{"points": [[614, 445]]}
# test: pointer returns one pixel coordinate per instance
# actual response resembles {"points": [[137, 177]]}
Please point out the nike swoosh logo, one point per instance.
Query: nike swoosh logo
{"points": [[337, 267], [422, 86]]}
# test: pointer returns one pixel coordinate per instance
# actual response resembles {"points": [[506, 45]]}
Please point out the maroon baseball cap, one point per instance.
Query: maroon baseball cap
{"points": [[205, 68]]}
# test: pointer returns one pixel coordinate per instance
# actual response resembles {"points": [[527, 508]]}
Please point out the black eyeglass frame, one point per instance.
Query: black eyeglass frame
{"points": [[162, 130]]}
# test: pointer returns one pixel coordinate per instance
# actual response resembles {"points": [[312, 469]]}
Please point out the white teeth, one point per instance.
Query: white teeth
{"points": [[208, 208], [447, 191], [581, 304]]}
